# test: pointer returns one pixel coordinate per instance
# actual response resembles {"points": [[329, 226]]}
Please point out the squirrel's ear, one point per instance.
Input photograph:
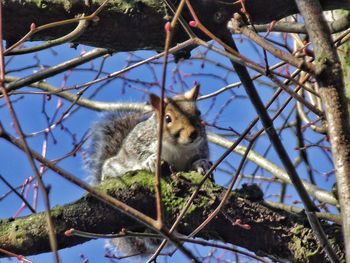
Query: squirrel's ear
{"points": [[155, 101], [193, 93]]}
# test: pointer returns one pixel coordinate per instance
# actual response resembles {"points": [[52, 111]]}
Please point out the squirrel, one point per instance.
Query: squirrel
{"points": [[127, 141]]}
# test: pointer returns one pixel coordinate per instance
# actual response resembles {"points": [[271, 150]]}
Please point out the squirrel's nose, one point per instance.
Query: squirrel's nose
{"points": [[193, 135]]}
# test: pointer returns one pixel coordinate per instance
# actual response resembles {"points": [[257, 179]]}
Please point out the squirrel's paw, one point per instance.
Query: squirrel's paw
{"points": [[150, 163], [202, 166]]}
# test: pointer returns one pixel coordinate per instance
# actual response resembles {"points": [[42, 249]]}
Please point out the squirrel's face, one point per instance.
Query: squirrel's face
{"points": [[182, 121]]}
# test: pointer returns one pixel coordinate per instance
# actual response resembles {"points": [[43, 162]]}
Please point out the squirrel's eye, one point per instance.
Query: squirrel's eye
{"points": [[168, 118]]}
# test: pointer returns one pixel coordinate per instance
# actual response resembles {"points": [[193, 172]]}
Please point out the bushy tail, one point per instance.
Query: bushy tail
{"points": [[137, 249], [106, 138]]}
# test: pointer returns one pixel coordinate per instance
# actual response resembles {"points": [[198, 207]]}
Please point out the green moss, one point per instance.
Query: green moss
{"points": [[344, 54], [56, 211], [22, 229], [207, 193], [130, 180], [143, 179], [18, 230], [303, 244]]}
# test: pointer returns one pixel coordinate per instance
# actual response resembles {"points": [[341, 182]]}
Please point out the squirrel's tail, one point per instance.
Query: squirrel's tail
{"points": [[106, 138], [138, 249]]}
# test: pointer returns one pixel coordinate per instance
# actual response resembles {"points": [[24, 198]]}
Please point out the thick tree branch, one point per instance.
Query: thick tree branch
{"points": [[272, 233], [133, 25], [330, 79]]}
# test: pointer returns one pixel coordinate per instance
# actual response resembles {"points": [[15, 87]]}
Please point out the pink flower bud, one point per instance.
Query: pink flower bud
{"points": [[32, 26], [167, 27], [193, 23]]}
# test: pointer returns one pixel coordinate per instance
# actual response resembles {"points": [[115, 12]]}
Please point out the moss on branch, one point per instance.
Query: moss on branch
{"points": [[272, 232]]}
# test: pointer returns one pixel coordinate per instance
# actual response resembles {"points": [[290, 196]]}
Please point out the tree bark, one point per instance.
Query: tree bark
{"points": [[330, 80], [133, 25], [273, 233]]}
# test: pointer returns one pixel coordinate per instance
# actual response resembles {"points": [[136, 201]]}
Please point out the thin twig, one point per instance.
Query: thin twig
{"points": [[19, 257], [310, 207], [236, 26], [124, 208], [35, 29], [18, 194], [45, 73], [298, 210], [18, 128], [75, 232], [77, 32]]}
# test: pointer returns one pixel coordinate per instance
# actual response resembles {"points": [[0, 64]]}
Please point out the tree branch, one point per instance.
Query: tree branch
{"points": [[133, 25], [273, 232], [330, 79]]}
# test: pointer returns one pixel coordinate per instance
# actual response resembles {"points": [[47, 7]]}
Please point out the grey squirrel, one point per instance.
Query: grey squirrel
{"points": [[125, 141]]}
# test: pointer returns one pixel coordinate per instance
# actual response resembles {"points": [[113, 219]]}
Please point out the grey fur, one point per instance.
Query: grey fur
{"points": [[126, 141], [107, 136], [140, 147]]}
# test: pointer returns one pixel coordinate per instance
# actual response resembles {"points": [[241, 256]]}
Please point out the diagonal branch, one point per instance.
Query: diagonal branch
{"points": [[330, 80], [273, 232], [310, 207]]}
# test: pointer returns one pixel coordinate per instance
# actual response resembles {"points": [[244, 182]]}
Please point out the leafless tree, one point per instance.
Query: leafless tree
{"points": [[294, 53]]}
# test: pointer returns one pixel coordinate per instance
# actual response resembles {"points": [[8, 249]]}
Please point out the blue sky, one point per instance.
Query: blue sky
{"points": [[238, 113]]}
